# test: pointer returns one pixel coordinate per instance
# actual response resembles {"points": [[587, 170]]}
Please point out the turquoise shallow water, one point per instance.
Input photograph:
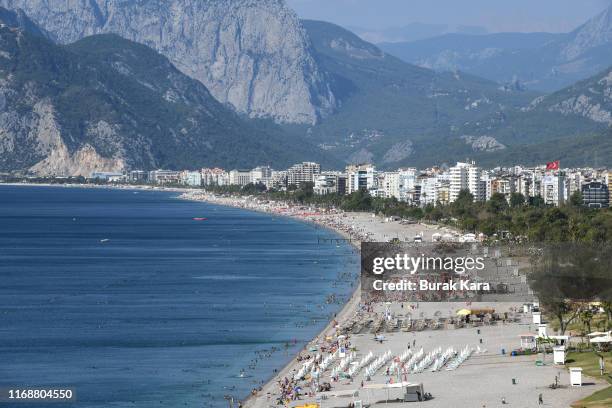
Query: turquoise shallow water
{"points": [[126, 298]]}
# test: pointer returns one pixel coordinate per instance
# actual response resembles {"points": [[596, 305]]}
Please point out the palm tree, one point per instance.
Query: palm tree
{"points": [[607, 306], [586, 317]]}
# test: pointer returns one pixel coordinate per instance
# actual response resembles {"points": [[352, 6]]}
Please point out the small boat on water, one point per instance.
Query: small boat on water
{"points": [[104, 240], [200, 219]]}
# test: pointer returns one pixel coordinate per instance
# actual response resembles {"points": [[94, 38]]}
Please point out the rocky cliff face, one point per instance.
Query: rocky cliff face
{"points": [[594, 33], [33, 141], [105, 103], [591, 99], [251, 54]]}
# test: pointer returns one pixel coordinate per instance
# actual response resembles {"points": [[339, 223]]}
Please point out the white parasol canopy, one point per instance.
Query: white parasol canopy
{"points": [[598, 334], [602, 339]]}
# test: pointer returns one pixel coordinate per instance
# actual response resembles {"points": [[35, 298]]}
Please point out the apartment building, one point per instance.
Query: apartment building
{"points": [[466, 176], [301, 173]]}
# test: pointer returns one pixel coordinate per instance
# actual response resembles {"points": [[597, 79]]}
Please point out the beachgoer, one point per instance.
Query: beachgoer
{"points": [[540, 399]]}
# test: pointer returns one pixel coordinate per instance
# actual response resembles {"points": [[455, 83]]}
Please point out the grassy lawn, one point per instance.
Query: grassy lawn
{"points": [[601, 399], [599, 323], [589, 362]]}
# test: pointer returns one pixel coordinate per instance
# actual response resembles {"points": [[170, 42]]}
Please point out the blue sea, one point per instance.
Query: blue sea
{"points": [[122, 296]]}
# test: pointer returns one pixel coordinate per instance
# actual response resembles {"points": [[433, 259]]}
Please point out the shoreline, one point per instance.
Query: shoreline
{"points": [[345, 312]]}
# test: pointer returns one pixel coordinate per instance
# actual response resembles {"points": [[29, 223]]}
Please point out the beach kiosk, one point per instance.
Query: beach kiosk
{"points": [[528, 341], [559, 354], [542, 330], [576, 377], [537, 317]]}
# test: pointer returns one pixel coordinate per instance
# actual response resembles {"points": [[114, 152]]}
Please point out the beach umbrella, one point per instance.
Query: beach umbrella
{"points": [[603, 339], [597, 334], [464, 312]]}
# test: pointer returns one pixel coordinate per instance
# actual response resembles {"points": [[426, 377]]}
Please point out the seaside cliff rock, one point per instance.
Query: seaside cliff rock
{"points": [[251, 54]]}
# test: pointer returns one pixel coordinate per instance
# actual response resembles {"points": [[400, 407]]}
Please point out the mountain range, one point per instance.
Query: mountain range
{"points": [[394, 113], [250, 54], [413, 32], [540, 61], [105, 103], [115, 84]]}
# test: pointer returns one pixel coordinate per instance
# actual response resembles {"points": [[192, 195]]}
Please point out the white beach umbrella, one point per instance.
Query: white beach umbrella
{"points": [[598, 334], [603, 339]]}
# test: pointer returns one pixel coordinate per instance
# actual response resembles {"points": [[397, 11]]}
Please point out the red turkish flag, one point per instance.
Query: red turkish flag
{"points": [[552, 165]]}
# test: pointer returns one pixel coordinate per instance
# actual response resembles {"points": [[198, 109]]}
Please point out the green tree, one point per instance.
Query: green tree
{"points": [[252, 188], [517, 200], [464, 204], [586, 317], [576, 199], [497, 204], [536, 201], [567, 276], [360, 200]]}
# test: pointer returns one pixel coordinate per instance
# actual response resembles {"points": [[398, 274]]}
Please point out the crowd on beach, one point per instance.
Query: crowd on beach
{"points": [[296, 384], [331, 218], [364, 326]]}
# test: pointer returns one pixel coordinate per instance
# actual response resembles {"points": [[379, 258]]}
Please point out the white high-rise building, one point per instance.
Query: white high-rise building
{"points": [[191, 178], [240, 177], [214, 177], [326, 183], [261, 174], [466, 176], [429, 191], [525, 185], [278, 179], [391, 184], [553, 189], [475, 184], [408, 185], [305, 172], [574, 183], [361, 177]]}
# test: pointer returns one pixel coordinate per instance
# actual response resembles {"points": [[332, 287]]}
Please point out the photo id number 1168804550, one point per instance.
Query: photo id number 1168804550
{"points": [[37, 394]]}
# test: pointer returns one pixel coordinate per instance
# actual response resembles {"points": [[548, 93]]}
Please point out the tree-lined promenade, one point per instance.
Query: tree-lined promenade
{"points": [[527, 220]]}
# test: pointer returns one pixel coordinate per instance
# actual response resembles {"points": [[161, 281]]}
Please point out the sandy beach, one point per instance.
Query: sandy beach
{"points": [[489, 376]]}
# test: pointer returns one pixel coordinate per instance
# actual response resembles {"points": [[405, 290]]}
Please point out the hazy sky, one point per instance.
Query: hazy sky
{"points": [[495, 15]]}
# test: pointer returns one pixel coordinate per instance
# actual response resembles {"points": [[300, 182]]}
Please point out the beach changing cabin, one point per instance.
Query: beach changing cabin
{"points": [[537, 317], [576, 377], [559, 354]]}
